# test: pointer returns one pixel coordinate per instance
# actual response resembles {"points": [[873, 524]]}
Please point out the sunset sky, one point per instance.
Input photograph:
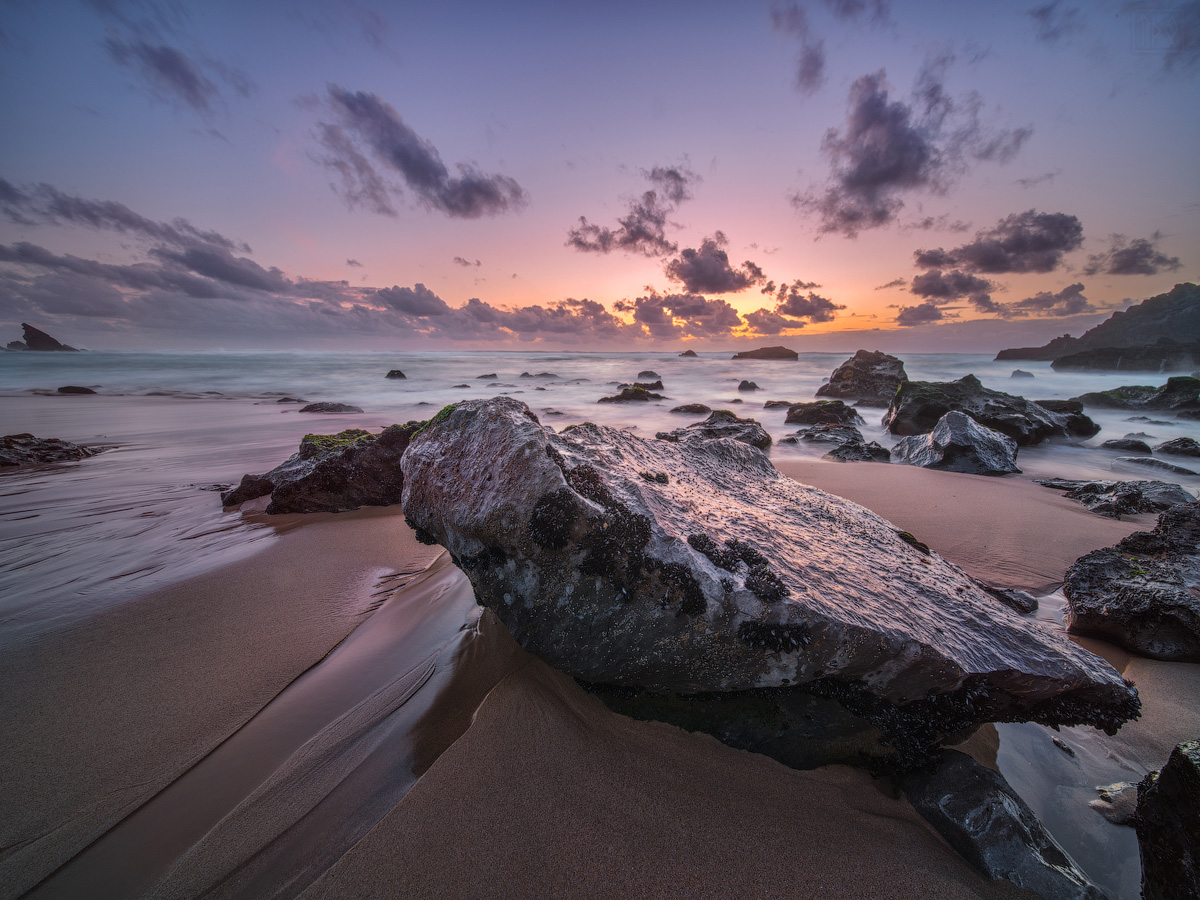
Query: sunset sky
{"points": [[828, 174]]}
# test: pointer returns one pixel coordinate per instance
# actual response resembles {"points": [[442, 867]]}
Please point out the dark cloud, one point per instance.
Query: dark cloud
{"points": [[466, 263], [354, 262], [1070, 301], [854, 9], [812, 307], [793, 19], [1022, 242], [42, 204], [937, 223], [1036, 180], [221, 266], [1055, 21], [764, 321], [366, 124], [707, 270], [936, 285], [922, 314], [1137, 257], [889, 147], [895, 282], [665, 316], [417, 301], [644, 228], [771, 288]]}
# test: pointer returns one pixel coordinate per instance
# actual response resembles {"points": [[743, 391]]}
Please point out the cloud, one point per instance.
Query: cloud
{"points": [[1137, 257], [1036, 180], [354, 262], [936, 285], [793, 19], [763, 321], [707, 270], [466, 263], [812, 307], [1070, 301], [922, 314], [792, 308], [1054, 21], [895, 282], [1022, 242], [644, 228], [666, 316], [888, 148], [366, 124]]}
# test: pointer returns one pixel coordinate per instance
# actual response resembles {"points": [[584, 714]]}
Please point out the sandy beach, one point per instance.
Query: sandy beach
{"points": [[183, 755]]}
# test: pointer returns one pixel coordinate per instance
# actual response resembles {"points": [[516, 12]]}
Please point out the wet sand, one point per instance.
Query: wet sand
{"points": [[541, 792]]}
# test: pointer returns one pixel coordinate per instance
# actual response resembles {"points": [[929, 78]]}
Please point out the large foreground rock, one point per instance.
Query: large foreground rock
{"points": [[331, 472], [959, 444], [1121, 498], [1144, 593], [1168, 827], [728, 598], [24, 449], [919, 405], [869, 376], [983, 818]]}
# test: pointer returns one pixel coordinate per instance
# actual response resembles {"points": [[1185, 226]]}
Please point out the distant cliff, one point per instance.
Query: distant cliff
{"points": [[1174, 315]]}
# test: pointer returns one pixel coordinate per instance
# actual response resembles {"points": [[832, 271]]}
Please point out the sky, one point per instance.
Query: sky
{"points": [[823, 174]]}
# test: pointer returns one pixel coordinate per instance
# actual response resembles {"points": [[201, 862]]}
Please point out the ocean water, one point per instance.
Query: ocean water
{"points": [[76, 537]]}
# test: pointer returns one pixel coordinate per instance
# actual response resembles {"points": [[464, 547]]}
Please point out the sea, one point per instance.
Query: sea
{"points": [[77, 537]]}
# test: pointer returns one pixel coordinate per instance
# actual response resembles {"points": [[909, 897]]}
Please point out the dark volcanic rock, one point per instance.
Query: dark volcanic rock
{"points": [[1020, 373], [331, 472], [1168, 827], [983, 818], [731, 598], [869, 376], [692, 353], [823, 412], [1164, 356], [1184, 446], [778, 404], [1133, 463], [859, 451], [646, 385], [1180, 392], [694, 409], [830, 434], [490, 376], [330, 408], [1144, 593], [1127, 445], [648, 373], [75, 389], [1121, 498], [959, 444], [628, 394], [538, 375], [24, 449], [1060, 346], [15, 345], [768, 353], [747, 386], [395, 373], [919, 405], [722, 424], [36, 339]]}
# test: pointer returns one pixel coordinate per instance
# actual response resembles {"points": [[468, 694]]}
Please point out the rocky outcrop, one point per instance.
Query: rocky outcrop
{"points": [[36, 339], [24, 449], [75, 389], [15, 346], [691, 354], [1060, 346], [1121, 498], [1164, 356], [1168, 827], [985, 820], [859, 451], [731, 599], [768, 353], [648, 373], [919, 405], [830, 434], [778, 404], [692, 409], [747, 386], [326, 407], [1144, 593], [959, 444], [823, 412], [1179, 393], [1135, 463], [1183, 446], [331, 472], [539, 375], [644, 385], [1126, 445], [1020, 373], [631, 394], [395, 373], [722, 424], [869, 376]]}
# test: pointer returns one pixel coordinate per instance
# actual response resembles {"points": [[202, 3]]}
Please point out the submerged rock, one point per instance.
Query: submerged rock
{"points": [[36, 339], [768, 353], [959, 444], [539, 375], [325, 407], [722, 424], [823, 412], [732, 599], [635, 394], [1144, 593], [1121, 498], [778, 404], [395, 373], [24, 449], [691, 354], [695, 409], [747, 386], [1179, 393], [490, 376], [1128, 445], [1149, 462], [331, 472], [919, 405], [648, 373], [1183, 446], [75, 389], [869, 376], [983, 818], [1020, 373], [1168, 827]]}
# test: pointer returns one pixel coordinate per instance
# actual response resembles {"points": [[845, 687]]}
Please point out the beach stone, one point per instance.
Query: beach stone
{"points": [[24, 449], [1179, 393], [691, 354], [722, 424], [648, 373], [732, 599], [1168, 827], [778, 404], [823, 412], [919, 405], [75, 389], [1121, 498], [869, 376], [747, 386], [1143, 594], [830, 434], [395, 373], [634, 394], [1182, 446], [959, 444], [1117, 802], [325, 407], [696, 409], [36, 339], [1128, 445], [982, 817], [859, 451], [331, 472], [768, 353], [1020, 373], [1133, 463]]}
